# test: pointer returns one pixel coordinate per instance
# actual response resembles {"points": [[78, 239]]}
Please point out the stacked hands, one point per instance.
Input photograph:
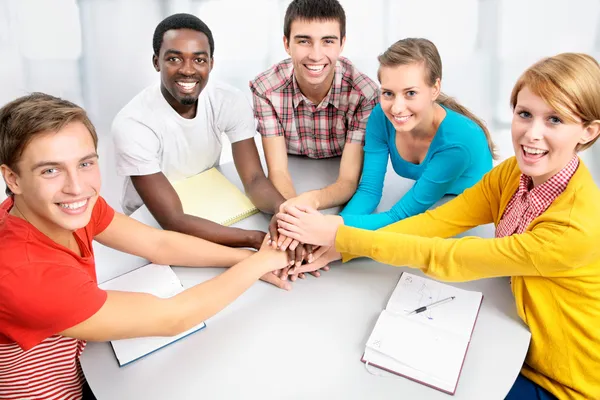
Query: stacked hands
{"points": [[308, 238]]}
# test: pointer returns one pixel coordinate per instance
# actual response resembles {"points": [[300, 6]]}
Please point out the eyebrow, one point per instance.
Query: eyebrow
{"points": [[179, 53], [310, 37], [55, 163], [405, 89]]}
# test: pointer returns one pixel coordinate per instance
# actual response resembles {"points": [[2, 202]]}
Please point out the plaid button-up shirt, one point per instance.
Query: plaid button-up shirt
{"points": [[316, 131], [526, 205]]}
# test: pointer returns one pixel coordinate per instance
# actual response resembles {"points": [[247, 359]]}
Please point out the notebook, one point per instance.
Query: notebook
{"points": [[428, 347], [211, 196], [161, 281]]}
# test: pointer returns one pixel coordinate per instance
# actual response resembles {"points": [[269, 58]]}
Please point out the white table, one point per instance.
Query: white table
{"points": [[307, 343]]}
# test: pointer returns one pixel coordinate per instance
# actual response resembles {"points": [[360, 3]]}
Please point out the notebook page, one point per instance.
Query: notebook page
{"points": [[433, 352], [457, 316], [211, 196], [380, 360], [159, 280]]}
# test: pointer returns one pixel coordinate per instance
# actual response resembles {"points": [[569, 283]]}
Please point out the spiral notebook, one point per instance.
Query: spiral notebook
{"points": [[211, 196], [429, 347], [161, 281]]}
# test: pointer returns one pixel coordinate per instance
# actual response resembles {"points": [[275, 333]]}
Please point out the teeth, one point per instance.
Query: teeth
{"points": [[187, 85], [531, 150], [73, 206], [402, 119], [315, 68]]}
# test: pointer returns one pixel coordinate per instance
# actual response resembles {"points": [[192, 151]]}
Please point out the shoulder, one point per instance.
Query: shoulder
{"points": [[220, 93], [142, 114], [458, 122], [585, 195], [141, 106], [273, 79], [359, 81], [377, 117]]}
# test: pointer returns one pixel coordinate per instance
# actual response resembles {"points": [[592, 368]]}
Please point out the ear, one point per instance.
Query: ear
{"points": [[286, 45], [211, 65], [343, 42], [10, 178], [155, 63], [590, 133], [436, 89]]}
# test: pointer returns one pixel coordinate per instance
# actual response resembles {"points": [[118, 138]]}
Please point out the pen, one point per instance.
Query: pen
{"points": [[436, 303]]}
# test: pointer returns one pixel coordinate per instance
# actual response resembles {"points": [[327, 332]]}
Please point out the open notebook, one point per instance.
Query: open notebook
{"points": [[428, 347], [159, 280], [211, 196]]}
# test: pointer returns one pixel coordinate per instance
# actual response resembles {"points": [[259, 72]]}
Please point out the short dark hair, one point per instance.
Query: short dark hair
{"points": [[310, 10], [24, 118], [181, 21]]}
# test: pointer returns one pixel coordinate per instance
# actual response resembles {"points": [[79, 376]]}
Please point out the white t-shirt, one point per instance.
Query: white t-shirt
{"points": [[150, 136]]}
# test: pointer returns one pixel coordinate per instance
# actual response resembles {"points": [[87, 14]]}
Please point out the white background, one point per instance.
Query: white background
{"points": [[98, 52]]}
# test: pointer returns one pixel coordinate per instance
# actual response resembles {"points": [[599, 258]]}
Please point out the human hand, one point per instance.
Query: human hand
{"points": [[273, 259], [255, 239], [276, 280], [307, 225], [306, 199], [324, 256]]}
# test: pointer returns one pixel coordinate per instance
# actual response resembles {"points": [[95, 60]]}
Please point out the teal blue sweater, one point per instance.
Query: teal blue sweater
{"points": [[457, 158]]}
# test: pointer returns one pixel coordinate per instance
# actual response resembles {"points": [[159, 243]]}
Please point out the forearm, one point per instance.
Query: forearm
{"points": [[208, 230], [369, 222], [335, 194], [205, 300], [128, 314], [283, 183], [265, 196], [461, 259], [188, 251]]}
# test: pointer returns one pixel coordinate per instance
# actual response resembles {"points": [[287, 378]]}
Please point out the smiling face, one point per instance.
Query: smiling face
{"points": [[57, 180], [314, 47], [543, 141], [406, 98], [184, 63]]}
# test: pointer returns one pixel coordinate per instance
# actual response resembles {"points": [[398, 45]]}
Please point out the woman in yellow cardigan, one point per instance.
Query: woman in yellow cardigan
{"points": [[546, 209]]}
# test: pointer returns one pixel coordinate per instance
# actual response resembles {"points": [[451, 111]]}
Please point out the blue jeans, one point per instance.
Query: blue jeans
{"points": [[524, 389]]}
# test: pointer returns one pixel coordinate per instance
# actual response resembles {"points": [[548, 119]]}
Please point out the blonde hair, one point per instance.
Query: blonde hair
{"points": [[423, 51], [569, 83]]}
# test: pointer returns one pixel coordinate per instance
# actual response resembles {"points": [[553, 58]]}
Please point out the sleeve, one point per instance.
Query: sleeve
{"points": [[370, 188], [235, 117], [43, 299], [357, 123], [137, 148], [102, 216], [268, 124], [440, 173], [539, 252]]}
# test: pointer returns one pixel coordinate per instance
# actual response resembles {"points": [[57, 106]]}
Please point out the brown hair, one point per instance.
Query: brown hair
{"points": [[24, 118], [570, 84], [423, 51], [314, 10]]}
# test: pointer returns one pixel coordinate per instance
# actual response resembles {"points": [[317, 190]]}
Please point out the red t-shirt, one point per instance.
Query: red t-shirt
{"points": [[45, 288]]}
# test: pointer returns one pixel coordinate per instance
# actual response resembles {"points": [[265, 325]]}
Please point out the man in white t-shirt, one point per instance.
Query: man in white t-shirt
{"points": [[173, 131]]}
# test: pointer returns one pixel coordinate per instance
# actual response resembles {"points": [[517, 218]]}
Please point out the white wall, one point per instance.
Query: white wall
{"points": [[98, 52]]}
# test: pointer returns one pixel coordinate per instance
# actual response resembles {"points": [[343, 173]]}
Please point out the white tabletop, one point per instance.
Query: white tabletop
{"points": [[306, 343]]}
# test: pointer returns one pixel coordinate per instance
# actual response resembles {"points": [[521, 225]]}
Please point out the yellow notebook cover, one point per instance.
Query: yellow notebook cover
{"points": [[211, 196]]}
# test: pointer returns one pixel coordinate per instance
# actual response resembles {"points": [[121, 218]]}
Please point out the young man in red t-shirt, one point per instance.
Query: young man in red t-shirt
{"points": [[50, 303]]}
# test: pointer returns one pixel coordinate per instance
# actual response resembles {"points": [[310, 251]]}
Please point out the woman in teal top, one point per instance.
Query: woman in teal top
{"points": [[429, 137]]}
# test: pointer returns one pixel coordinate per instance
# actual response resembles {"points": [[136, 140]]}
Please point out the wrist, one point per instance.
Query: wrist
{"points": [[271, 260], [312, 199]]}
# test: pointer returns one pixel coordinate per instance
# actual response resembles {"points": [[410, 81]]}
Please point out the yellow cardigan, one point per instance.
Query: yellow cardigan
{"points": [[554, 265]]}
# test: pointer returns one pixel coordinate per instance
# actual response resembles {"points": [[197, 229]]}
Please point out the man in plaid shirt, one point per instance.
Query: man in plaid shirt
{"points": [[314, 104]]}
